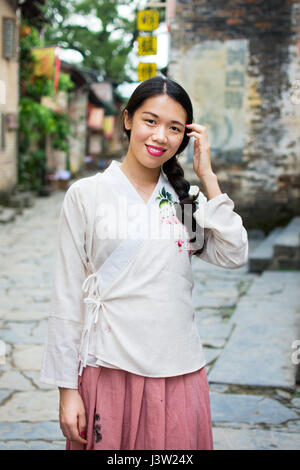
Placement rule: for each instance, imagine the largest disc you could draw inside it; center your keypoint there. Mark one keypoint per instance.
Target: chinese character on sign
(147, 20)
(235, 55)
(145, 71)
(234, 78)
(147, 45)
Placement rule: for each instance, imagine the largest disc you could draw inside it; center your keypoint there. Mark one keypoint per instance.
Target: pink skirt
(125, 411)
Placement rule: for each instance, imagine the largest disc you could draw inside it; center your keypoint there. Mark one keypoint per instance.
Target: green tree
(36, 120)
(106, 49)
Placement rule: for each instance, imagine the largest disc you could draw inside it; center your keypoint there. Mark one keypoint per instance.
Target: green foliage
(65, 83)
(105, 49)
(61, 132)
(31, 167)
(36, 120)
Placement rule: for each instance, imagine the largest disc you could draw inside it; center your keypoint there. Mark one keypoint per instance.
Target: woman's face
(157, 130)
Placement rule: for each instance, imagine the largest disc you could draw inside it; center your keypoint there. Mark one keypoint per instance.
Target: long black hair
(172, 168)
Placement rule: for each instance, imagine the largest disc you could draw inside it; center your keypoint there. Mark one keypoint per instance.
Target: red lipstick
(155, 151)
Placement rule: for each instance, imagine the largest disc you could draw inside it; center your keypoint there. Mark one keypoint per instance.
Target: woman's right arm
(60, 357)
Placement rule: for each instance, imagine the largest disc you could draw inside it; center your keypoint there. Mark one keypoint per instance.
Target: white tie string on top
(94, 304)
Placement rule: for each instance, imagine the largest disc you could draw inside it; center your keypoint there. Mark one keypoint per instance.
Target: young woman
(122, 344)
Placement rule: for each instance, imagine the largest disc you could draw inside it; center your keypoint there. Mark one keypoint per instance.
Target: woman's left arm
(225, 237)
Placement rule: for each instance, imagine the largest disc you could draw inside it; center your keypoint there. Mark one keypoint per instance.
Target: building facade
(240, 63)
(9, 97)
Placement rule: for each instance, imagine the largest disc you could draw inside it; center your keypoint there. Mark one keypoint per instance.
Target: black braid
(187, 205)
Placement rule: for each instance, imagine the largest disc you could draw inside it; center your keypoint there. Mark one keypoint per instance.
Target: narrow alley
(249, 410)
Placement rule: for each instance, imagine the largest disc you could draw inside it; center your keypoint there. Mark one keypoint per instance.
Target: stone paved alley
(246, 322)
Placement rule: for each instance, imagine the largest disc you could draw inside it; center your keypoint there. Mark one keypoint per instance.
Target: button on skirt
(125, 411)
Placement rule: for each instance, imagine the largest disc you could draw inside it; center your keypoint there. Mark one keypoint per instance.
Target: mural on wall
(216, 84)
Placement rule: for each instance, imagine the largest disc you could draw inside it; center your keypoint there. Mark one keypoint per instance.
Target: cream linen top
(123, 280)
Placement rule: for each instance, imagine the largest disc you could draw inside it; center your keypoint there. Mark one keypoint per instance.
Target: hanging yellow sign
(147, 45)
(147, 20)
(45, 60)
(145, 71)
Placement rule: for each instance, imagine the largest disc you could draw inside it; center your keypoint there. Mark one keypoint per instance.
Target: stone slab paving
(242, 418)
(32, 445)
(47, 430)
(28, 409)
(251, 409)
(247, 438)
(266, 323)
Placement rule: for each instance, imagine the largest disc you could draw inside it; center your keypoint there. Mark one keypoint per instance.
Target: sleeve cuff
(205, 204)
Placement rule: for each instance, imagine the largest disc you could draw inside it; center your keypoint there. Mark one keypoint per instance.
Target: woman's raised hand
(201, 161)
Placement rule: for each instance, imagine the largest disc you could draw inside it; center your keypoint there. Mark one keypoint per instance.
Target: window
(9, 38)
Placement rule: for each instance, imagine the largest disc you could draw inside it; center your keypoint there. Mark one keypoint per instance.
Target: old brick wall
(240, 63)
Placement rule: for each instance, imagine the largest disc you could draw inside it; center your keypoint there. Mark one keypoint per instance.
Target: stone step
(261, 257)
(290, 235)
(7, 215)
(287, 247)
(266, 324)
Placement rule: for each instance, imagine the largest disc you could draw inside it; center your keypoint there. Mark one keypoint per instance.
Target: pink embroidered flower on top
(180, 242)
(168, 216)
(184, 245)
